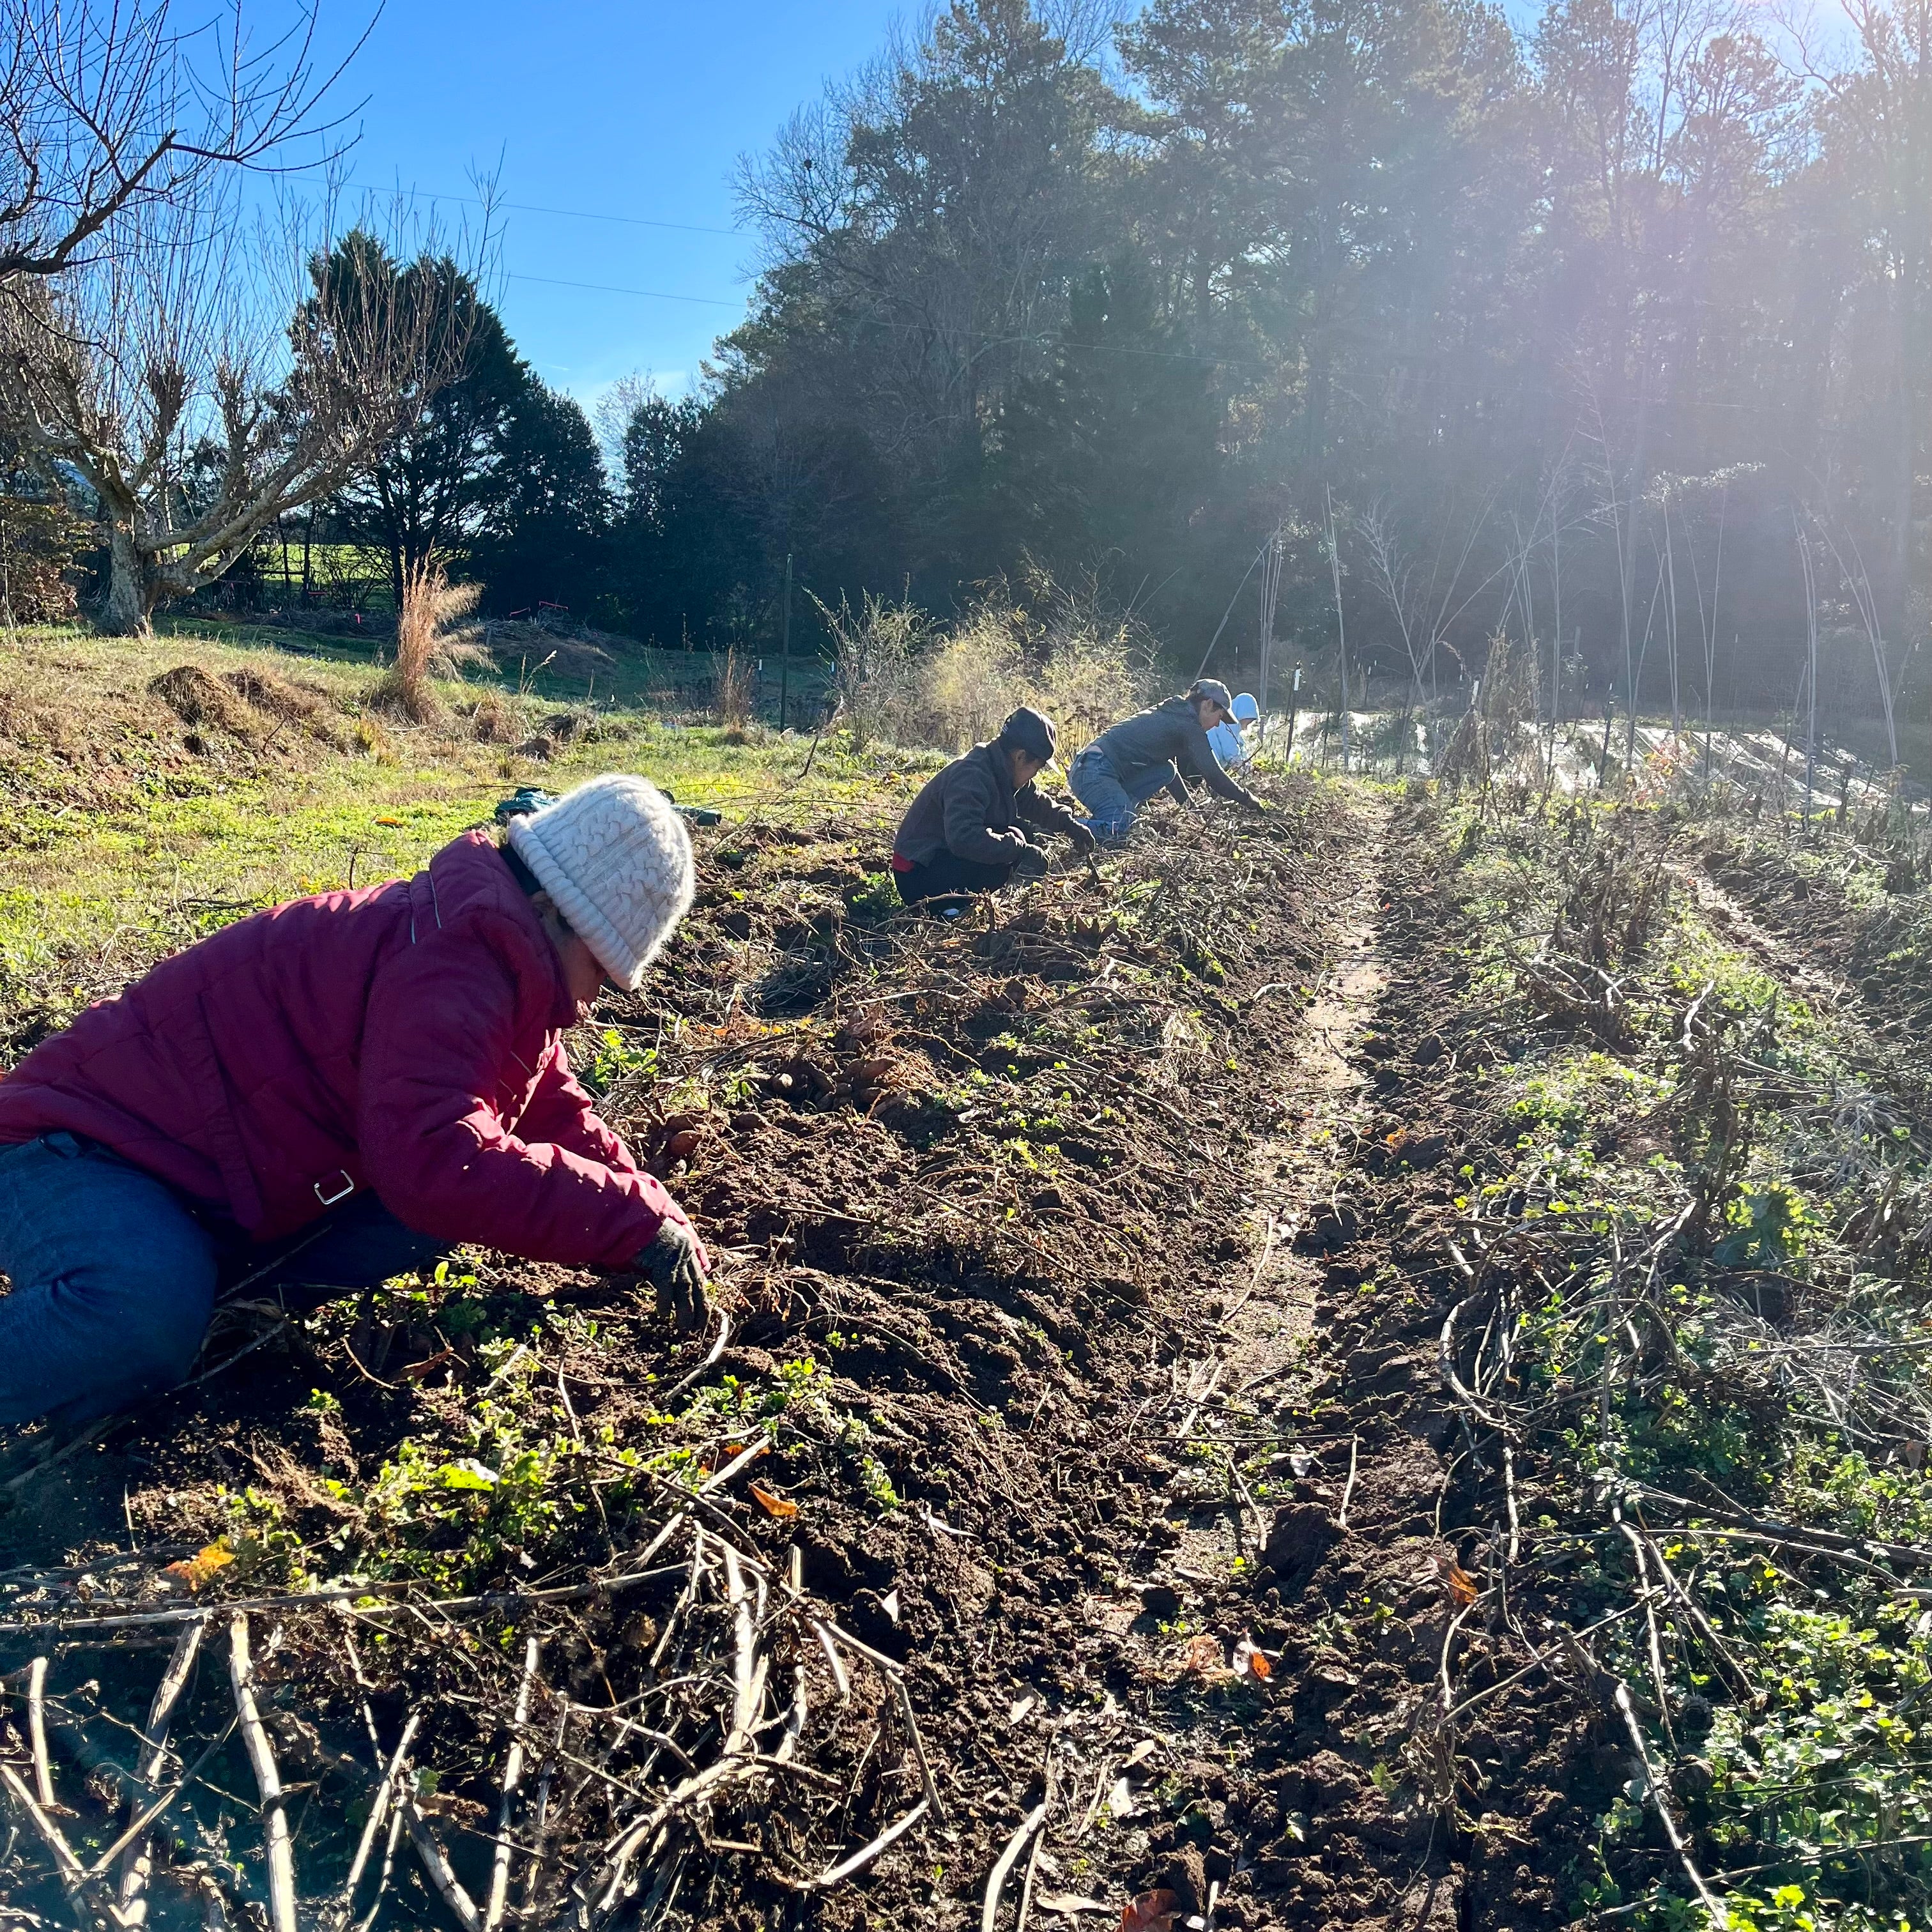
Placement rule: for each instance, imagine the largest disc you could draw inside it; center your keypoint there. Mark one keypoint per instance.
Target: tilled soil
(1112, 1215)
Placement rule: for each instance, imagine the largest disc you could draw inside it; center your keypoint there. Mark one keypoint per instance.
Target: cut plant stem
(36, 1731)
(379, 1810)
(513, 1772)
(275, 1822)
(135, 1866)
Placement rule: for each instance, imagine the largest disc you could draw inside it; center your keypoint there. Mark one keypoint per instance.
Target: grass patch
(132, 832)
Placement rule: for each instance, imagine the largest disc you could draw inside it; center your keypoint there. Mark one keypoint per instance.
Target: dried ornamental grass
(431, 641)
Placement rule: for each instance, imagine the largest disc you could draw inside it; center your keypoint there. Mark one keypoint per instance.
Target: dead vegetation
(899, 676)
(433, 640)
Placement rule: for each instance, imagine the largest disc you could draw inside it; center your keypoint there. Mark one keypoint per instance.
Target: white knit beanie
(616, 859)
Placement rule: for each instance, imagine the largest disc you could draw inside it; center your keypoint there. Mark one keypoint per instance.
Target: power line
(576, 214)
(629, 220)
(611, 289)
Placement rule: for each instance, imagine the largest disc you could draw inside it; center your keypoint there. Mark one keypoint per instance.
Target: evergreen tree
(442, 481)
(546, 532)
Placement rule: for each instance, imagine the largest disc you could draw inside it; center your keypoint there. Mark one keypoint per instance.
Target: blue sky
(638, 110)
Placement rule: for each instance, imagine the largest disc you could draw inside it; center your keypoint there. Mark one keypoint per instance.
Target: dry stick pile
(673, 1712)
(743, 1670)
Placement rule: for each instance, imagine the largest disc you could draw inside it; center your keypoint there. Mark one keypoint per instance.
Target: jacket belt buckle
(342, 1193)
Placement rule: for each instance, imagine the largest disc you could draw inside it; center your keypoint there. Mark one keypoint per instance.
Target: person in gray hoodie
(961, 832)
(1118, 772)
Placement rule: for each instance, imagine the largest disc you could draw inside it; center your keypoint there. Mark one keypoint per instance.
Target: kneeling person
(1118, 772)
(960, 834)
(335, 1091)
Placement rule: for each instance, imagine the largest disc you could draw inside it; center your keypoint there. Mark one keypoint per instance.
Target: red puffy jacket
(405, 1037)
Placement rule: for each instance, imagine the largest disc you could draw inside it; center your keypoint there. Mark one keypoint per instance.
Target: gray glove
(1083, 838)
(1031, 863)
(672, 1265)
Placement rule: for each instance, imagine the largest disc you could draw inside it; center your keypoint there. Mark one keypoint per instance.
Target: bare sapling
(1637, 673)
(1810, 664)
(1341, 627)
(1523, 592)
(1670, 621)
(1393, 576)
(1707, 613)
(874, 654)
(1270, 598)
(1858, 584)
(1448, 610)
(1623, 529)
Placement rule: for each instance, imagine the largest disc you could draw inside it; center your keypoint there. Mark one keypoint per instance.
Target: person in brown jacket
(960, 834)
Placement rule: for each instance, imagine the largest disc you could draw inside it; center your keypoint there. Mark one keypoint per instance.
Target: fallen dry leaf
(1144, 1749)
(416, 1371)
(1462, 1586)
(1070, 1905)
(1248, 1657)
(1120, 1799)
(772, 1505)
(1203, 1653)
(1152, 1912)
(203, 1567)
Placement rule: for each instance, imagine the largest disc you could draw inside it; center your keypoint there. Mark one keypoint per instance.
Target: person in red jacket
(335, 1091)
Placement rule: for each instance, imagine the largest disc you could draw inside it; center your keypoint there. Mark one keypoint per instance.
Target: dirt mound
(201, 700)
(304, 705)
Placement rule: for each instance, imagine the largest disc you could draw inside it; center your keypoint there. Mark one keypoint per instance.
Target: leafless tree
(1878, 104)
(107, 110)
(1393, 575)
(202, 394)
(1707, 610)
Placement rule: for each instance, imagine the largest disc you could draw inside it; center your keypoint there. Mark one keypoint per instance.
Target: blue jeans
(1111, 806)
(114, 1276)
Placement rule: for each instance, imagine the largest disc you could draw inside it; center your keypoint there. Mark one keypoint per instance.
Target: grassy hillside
(130, 828)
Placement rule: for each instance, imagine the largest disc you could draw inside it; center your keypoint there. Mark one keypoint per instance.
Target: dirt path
(1195, 1615)
(1261, 1366)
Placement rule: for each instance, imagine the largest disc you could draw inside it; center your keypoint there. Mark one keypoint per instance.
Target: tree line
(1610, 334)
(1379, 319)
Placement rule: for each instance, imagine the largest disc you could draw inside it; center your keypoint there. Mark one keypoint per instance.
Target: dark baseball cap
(1032, 732)
(1214, 688)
